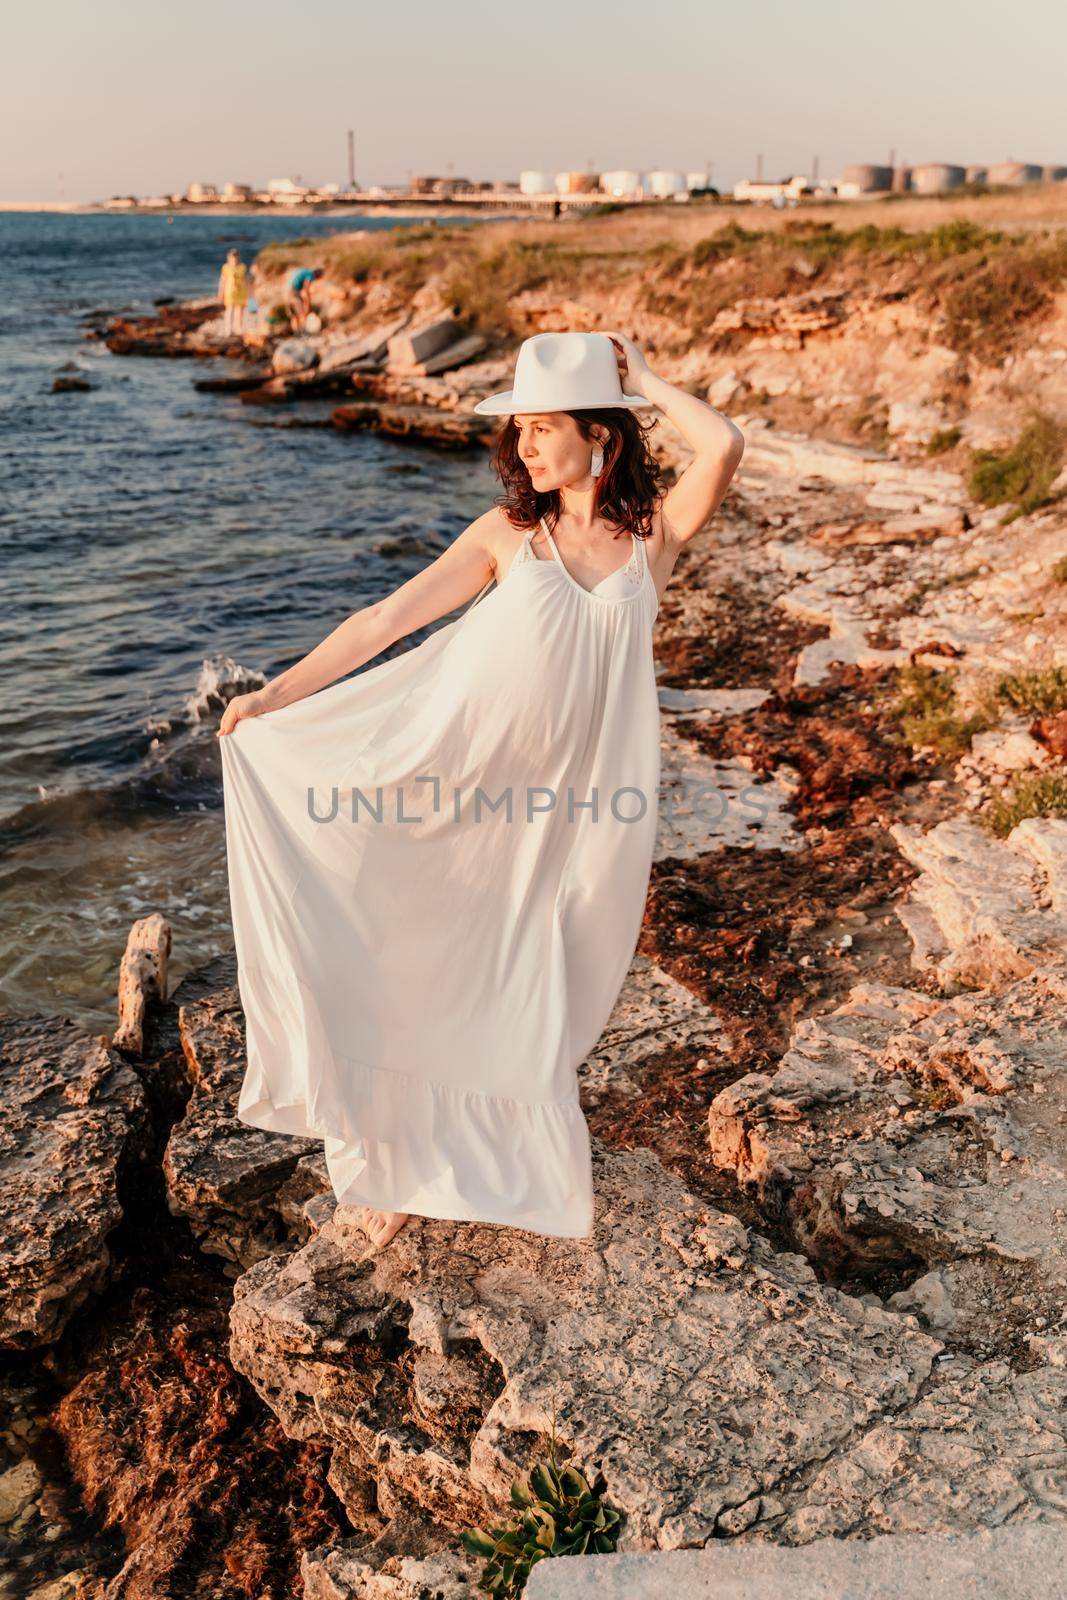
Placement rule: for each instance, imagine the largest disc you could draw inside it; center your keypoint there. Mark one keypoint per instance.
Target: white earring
(596, 461)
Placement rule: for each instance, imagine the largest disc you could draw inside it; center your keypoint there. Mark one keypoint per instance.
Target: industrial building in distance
(535, 189)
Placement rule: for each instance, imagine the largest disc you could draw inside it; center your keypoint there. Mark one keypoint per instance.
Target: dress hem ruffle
(292, 1119)
(400, 1142)
(272, 1119)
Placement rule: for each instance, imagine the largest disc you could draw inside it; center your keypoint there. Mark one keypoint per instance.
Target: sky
(116, 98)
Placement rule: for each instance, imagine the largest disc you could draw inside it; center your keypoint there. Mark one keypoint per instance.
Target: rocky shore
(827, 1292)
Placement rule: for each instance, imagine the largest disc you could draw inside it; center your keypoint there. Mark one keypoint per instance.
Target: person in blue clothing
(300, 295)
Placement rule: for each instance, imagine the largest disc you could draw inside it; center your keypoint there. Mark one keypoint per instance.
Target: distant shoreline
(71, 208)
(412, 205)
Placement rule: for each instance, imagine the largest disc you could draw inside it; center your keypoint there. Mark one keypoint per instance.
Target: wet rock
(68, 383)
(242, 1189)
(284, 388)
(75, 1123)
(173, 332)
(449, 430)
(233, 383)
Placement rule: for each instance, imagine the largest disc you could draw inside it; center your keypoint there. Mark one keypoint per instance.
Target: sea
(158, 544)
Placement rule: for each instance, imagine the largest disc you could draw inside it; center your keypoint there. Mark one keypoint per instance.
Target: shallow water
(145, 531)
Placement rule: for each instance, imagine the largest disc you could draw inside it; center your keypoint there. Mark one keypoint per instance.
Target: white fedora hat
(562, 372)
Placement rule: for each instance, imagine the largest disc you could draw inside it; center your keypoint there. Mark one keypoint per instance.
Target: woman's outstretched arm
(717, 444)
(454, 577)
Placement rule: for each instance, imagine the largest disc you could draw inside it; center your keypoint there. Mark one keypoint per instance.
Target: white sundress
(420, 984)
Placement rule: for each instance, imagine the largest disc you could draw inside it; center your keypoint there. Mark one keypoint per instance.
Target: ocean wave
(179, 768)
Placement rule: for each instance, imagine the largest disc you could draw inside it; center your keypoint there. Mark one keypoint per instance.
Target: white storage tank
(623, 182)
(1015, 172)
(663, 183)
(697, 180)
(865, 179)
(537, 182)
(937, 177)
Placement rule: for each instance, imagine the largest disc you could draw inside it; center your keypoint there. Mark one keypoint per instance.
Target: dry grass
(976, 264)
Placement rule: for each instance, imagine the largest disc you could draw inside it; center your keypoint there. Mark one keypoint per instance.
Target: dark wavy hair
(627, 488)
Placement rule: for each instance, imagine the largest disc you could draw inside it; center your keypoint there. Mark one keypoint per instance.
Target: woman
(233, 291)
(438, 868)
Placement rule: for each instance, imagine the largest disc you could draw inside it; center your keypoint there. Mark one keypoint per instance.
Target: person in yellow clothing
(233, 291)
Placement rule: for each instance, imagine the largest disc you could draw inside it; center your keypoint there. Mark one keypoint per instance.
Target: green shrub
(1059, 570)
(1041, 794)
(944, 439)
(930, 714)
(1041, 692)
(559, 1515)
(1021, 477)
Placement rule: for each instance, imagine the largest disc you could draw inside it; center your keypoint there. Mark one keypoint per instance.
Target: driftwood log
(142, 979)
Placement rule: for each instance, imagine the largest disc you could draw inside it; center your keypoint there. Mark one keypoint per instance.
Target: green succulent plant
(559, 1515)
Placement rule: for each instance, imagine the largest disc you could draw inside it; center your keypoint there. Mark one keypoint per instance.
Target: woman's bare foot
(380, 1226)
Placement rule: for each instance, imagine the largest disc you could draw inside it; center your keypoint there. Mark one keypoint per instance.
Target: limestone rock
(451, 357)
(342, 351)
(75, 1122)
(725, 390)
(688, 1365)
(407, 350)
(984, 1447)
(414, 1559)
(882, 1138)
(708, 805)
(793, 315)
(985, 911)
(653, 1013)
(914, 422)
(1009, 1562)
(293, 355)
